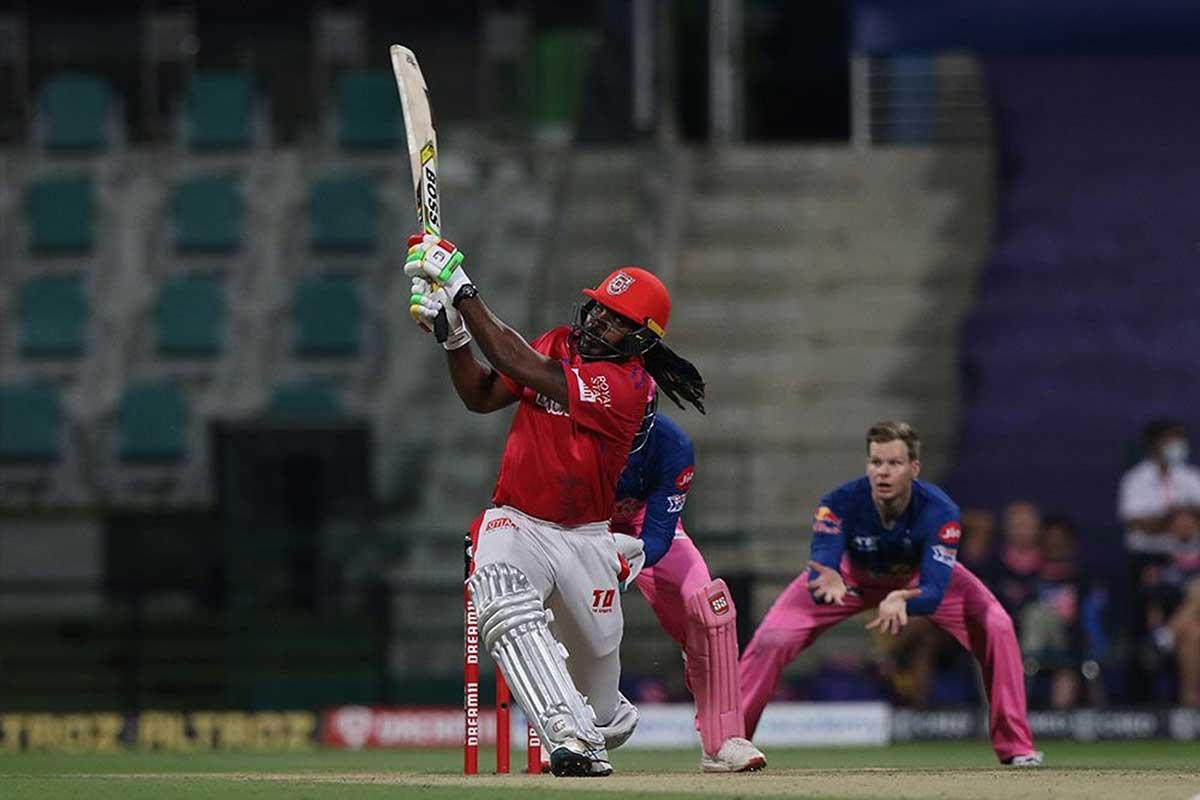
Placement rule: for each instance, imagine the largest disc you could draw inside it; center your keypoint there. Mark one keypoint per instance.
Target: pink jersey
(561, 464)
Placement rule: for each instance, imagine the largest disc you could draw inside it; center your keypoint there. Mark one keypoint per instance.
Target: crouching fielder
(889, 541)
(696, 611)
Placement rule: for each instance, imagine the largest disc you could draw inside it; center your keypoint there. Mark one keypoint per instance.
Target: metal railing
(920, 99)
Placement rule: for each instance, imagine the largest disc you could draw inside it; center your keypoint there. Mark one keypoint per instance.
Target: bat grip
(441, 326)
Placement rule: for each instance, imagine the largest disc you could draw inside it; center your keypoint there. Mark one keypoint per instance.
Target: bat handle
(441, 327)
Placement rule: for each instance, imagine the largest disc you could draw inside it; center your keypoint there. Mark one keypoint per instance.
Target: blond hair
(889, 430)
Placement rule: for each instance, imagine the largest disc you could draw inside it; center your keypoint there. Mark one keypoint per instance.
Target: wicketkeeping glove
(424, 304)
(631, 554)
(437, 260)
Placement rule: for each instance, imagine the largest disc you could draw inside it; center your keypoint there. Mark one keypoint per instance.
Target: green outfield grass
(1092, 771)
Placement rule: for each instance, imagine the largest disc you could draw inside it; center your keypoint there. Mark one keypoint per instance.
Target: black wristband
(465, 291)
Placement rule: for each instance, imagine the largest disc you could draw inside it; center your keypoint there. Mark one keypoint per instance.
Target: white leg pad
(515, 631)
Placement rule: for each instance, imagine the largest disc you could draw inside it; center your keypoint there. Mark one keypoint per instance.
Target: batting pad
(712, 665)
(517, 634)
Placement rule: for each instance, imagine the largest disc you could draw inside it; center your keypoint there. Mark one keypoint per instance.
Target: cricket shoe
(736, 755)
(1033, 759)
(576, 759)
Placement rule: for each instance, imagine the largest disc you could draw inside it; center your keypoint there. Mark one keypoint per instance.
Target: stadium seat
(328, 316)
(304, 398)
(30, 419)
(344, 214)
(368, 113)
(76, 113)
(189, 316)
(153, 419)
(61, 216)
(53, 316)
(207, 215)
(219, 111)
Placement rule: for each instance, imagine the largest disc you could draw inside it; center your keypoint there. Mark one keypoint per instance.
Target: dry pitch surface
(843, 783)
(954, 770)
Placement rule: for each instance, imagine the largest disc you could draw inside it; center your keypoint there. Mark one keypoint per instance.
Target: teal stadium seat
(344, 214)
(76, 113)
(30, 421)
(304, 398)
(152, 423)
(61, 216)
(207, 215)
(328, 316)
(219, 111)
(368, 110)
(190, 315)
(53, 316)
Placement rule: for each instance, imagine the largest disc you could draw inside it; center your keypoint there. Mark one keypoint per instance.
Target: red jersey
(562, 464)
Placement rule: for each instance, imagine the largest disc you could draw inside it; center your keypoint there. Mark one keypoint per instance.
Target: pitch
(945, 770)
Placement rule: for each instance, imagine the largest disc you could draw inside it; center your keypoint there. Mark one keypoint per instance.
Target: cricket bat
(422, 151)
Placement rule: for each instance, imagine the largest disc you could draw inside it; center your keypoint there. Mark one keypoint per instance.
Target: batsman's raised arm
(433, 259)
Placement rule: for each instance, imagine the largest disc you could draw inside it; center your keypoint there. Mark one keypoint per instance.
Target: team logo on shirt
(719, 603)
(949, 534)
(683, 480)
(675, 503)
(827, 522)
(620, 283)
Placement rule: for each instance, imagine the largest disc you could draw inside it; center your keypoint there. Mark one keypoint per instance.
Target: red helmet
(636, 295)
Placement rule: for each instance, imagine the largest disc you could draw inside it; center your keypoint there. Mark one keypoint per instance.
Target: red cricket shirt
(562, 464)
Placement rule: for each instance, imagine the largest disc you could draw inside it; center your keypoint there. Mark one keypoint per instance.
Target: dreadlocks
(675, 375)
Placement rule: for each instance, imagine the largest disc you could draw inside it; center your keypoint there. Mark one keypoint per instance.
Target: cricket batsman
(887, 541)
(545, 552)
(696, 611)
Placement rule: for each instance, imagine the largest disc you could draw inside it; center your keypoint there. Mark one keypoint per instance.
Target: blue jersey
(656, 478)
(924, 538)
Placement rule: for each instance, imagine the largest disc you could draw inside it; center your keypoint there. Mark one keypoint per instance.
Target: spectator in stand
(1019, 558)
(1051, 622)
(978, 549)
(1150, 492)
(1173, 604)
(1161, 483)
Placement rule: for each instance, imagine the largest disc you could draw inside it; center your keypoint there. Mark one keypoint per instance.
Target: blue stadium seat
(152, 423)
(61, 216)
(368, 110)
(190, 314)
(76, 113)
(53, 316)
(328, 316)
(304, 398)
(219, 111)
(207, 215)
(30, 422)
(344, 214)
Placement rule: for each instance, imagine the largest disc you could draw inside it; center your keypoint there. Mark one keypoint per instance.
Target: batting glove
(425, 302)
(631, 554)
(438, 261)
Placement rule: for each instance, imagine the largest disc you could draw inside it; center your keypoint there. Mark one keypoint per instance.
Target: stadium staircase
(818, 289)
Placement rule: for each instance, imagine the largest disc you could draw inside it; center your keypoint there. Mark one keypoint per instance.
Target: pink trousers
(678, 575)
(968, 612)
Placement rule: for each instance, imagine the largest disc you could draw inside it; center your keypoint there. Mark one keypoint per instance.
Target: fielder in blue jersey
(696, 611)
(889, 542)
